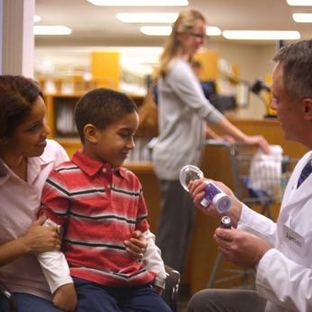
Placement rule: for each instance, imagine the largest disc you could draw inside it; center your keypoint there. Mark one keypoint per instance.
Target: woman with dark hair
(26, 159)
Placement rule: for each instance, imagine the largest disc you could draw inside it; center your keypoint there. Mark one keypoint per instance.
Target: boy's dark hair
(102, 107)
(17, 96)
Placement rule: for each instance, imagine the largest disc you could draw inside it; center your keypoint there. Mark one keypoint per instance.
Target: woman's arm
(225, 126)
(37, 239)
(184, 84)
(210, 134)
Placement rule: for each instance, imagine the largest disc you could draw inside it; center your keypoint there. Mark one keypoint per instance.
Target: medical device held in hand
(225, 222)
(213, 195)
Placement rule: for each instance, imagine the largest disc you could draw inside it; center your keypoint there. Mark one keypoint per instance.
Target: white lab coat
(284, 274)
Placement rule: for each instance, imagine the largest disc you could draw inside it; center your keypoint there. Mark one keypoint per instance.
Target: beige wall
(254, 61)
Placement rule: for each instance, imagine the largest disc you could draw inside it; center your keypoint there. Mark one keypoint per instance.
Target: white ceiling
(98, 26)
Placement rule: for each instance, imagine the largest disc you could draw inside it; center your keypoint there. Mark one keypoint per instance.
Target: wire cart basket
(259, 181)
(260, 189)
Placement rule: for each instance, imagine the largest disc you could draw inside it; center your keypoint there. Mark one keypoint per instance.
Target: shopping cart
(259, 182)
(268, 183)
(261, 191)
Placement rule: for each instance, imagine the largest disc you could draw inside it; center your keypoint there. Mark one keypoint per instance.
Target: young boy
(98, 205)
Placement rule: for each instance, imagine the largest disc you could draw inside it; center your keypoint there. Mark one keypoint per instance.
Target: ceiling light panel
(302, 17)
(166, 30)
(260, 35)
(52, 30)
(299, 2)
(147, 17)
(127, 3)
(156, 30)
(213, 31)
(37, 18)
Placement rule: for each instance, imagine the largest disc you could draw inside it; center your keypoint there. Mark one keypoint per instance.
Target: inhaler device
(213, 195)
(226, 222)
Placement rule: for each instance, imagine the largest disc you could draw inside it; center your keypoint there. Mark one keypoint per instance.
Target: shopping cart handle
(218, 142)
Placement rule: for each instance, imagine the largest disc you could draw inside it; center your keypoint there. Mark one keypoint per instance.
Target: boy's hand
(136, 245)
(65, 298)
(159, 290)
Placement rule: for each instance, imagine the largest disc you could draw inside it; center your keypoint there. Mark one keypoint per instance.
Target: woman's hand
(41, 238)
(226, 127)
(258, 140)
(136, 245)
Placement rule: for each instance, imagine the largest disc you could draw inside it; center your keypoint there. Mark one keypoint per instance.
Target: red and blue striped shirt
(98, 207)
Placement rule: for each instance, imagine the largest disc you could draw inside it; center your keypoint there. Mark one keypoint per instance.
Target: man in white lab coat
(280, 252)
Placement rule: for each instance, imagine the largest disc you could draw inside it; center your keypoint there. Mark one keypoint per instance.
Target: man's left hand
(240, 247)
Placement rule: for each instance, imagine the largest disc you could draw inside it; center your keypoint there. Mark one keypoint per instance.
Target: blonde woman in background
(183, 114)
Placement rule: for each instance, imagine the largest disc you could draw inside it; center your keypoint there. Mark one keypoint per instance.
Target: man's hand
(65, 298)
(197, 191)
(240, 247)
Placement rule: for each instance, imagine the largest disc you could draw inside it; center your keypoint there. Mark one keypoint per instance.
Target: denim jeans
(29, 303)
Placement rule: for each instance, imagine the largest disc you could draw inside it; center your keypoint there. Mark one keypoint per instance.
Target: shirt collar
(3, 168)
(92, 167)
(34, 165)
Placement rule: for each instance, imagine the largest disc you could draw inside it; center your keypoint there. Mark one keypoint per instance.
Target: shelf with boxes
(60, 108)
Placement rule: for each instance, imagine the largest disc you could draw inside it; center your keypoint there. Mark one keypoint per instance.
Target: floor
(182, 306)
(246, 280)
(184, 296)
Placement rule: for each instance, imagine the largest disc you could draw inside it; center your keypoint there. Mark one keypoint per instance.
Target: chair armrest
(6, 293)
(170, 293)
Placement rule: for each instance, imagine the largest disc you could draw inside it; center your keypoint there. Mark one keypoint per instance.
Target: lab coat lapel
(293, 195)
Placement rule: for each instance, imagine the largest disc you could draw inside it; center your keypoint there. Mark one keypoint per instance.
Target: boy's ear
(307, 102)
(90, 133)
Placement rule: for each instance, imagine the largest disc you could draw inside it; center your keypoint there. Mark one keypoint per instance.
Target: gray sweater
(183, 112)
